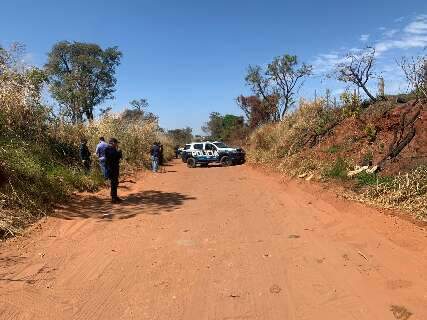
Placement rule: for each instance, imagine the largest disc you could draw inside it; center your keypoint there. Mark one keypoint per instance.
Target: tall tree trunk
(368, 93)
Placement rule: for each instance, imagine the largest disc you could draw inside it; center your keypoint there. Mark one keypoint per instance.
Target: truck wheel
(191, 162)
(225, 161)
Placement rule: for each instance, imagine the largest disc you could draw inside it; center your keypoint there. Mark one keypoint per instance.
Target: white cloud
(400, 19)
(406, 42)
(414, 35)
(364, 37)
(419, 26)
(324, 63)
(390, 33)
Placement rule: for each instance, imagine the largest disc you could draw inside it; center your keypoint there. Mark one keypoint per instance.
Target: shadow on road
(146, 202)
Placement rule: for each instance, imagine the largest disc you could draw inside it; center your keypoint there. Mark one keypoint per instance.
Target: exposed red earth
(216, 243)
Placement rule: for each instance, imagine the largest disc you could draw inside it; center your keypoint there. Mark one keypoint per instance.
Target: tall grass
(39, 158)
(279, 144)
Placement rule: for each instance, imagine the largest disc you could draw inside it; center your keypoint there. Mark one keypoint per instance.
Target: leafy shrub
(371, 132)
(364, 179)
(338, 169)
(351, 104)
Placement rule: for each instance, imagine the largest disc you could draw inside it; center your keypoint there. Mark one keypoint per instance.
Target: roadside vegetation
(374, 147)
(372, 143)
(39, 142)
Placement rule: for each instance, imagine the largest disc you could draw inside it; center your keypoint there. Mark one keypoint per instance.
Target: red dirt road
(216, 243)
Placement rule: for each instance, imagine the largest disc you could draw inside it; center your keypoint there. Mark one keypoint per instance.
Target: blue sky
(189, 58)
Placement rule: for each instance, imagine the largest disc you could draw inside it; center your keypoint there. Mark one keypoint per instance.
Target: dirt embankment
(216, 243)
(391, 136)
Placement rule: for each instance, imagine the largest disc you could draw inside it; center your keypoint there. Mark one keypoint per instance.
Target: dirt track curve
(216, 243)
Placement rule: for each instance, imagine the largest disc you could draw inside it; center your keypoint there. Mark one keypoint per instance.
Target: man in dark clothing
(176, 151)
(155, 153)
(160, 154)
(85, 155)
(112, 161)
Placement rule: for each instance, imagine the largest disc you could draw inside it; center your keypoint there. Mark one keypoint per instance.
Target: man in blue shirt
(100, 152)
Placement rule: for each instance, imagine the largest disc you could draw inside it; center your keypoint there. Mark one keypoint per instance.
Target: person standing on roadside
(155, 153)
(160, 154)
(112, 162)
(100, 153)
(84, 155)
(176, 151)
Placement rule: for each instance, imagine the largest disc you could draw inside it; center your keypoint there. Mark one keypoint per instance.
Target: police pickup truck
(203, 153)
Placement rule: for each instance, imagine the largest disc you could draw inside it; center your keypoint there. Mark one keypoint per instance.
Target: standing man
(155, 153)
(84, 155)
(160, 154)
(100, 153)
(112, 161)
(176, 151)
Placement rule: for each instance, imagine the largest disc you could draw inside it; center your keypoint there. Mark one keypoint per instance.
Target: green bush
(338, 169)
(334, 149)
(364, 179)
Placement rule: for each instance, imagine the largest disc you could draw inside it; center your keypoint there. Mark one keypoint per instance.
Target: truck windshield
(221, 145)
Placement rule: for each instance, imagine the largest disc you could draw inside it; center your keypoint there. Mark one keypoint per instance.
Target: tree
(136, 111)
(356, 68)
(225, 128)
(288, 78)
(81, 76)
(214, 126)
(140, 104)
(282, 80)
(181, 136)
(105, 112)
(415, 70)
(11, 58)
(22, 112)
(233, 128)
(258, 110)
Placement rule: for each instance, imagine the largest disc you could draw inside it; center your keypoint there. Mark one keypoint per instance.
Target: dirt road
(216, 243)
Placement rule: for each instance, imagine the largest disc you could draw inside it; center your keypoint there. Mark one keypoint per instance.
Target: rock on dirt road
(216, 243)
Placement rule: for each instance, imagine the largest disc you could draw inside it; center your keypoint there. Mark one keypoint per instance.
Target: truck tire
(225, 161)
(191, 162)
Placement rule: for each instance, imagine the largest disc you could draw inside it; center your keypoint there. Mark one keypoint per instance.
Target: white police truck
(204, 153)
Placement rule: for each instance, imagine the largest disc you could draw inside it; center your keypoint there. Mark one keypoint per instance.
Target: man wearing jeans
(100, 152)
(155, 153)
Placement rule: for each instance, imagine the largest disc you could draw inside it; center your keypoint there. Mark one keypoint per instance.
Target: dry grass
(295, 146)
(400, 312)
(404, 191)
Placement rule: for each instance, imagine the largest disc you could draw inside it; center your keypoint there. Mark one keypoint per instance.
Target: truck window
(198, 146)
(209, 146)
